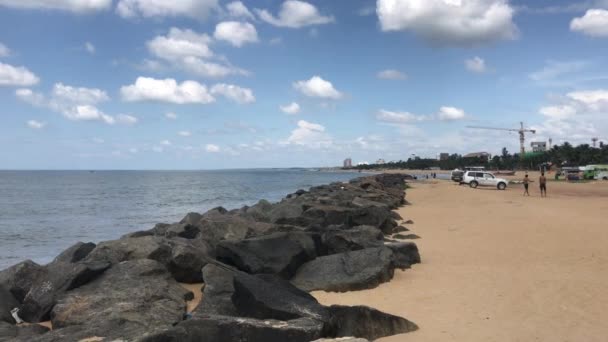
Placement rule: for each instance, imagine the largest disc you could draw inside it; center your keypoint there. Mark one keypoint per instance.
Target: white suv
(477, 178)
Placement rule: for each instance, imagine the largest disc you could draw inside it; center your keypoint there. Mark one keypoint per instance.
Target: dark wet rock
(326, 215)
(366, 322)
(350, 271)
(406, 236)
(400, 229)
(279, 253)
(20, 278)
(7, 303)
(10, 332)
(239, 329)
(217, 294)
(59, 278)
(133, 297)
(405, 254)
(344, 240)
(75, 253)
(395, 216)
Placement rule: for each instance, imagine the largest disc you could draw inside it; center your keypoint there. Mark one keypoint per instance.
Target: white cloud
(166, 90)
(292, 108)
(126, 119)
(16, 76)
(237, 9)
(189, 50)
(89, 47)
(87, 113)
(295, 14)
(391, 74)
(317, 87)
(554, 69)
(4, 50)
(179, 44)
(236, 33)
(67, 93)
(594, 100)
(197, 9)
(476, 64)
(35, 124)
(234, 93)
(451, 113)
(397, 117)
(171, 116)
(165, 143)
(184, 133)
(65, 5)
(449, 22)
(594, 23)
(310, 135)
(211, 148)
(558, 112)
(31, 97)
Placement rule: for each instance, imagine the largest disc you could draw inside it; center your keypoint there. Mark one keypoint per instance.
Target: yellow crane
(522, 134)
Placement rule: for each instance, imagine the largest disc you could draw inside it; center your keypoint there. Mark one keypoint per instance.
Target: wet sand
(497, 266)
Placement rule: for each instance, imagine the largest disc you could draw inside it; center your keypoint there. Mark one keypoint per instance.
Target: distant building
(484, 155)
(539, 146)
(362, 163)
(348, 163)
(380, 161)
(444, 156)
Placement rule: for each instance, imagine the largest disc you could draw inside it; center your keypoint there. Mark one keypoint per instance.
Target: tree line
(558, 155)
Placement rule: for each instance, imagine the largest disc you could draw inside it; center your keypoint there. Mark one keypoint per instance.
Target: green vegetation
(563, 155)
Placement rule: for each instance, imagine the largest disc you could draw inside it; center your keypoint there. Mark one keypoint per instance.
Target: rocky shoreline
(257, 264)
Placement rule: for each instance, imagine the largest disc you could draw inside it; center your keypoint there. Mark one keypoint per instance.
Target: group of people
(542, 181)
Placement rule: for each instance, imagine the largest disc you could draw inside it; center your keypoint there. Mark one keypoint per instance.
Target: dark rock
(131, 299)
(406, 236)
(365, 322)
(75, 253)
(405, 254)
(408, 222)
(326, 215)
(59, 278)
(395, 216)
(10, 332)
(340, 240)
(356, 270)
(7, 303)
(342, 339)
(279, 253)
(20, 278)
(400, 229)
(266, 297)
(218, 227)
(363, 202)
(191, 218)
(239, 329)
(260, 211)
(217, 295)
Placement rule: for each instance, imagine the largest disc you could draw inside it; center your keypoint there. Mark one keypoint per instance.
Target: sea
(44, 212)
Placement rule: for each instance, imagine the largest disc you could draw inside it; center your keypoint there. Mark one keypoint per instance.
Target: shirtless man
(526, 182)
(542, 180)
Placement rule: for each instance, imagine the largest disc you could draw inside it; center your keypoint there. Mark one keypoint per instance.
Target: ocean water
(44, 212)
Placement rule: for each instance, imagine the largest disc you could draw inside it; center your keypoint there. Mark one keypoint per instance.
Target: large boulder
(278, 253)
(217, 294)
(132, 299)
(20, 278)
(405, 254)
(7, 303)
(344, 240)
(239, 329)
(59, 278)
(75, 253)
(356, 270)
(327, 215)
(366, 322)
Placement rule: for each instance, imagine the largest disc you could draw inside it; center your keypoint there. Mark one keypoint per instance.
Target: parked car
(457, 175)
(476, 178)
(602, 175)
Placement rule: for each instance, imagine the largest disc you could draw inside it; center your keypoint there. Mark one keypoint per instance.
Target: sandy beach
(497, 266)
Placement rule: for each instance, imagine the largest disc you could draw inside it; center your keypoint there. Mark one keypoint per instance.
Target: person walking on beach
(543, 185)
(526, 182)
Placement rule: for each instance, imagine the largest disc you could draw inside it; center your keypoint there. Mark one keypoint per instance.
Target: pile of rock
(257, 263)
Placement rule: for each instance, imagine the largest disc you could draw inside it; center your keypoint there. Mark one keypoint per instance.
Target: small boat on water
(505, 173)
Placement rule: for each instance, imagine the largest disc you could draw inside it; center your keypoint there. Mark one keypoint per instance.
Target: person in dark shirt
(526, 182)
(543, 185)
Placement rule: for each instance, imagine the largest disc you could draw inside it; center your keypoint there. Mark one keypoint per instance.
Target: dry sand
(497, 266)
(197, 289)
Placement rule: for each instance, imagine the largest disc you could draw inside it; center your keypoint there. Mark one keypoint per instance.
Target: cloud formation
(16, 76)
(391, 74)
(449, 22)
(236, 33)
(476, 64)
(83, 6)
(197, 9)
(309, 134)
(234, 93)
(166, 90)
(295, 14)
(292, 108)
(594, 23)
(237, 9)
(33, 124)
(318, 87)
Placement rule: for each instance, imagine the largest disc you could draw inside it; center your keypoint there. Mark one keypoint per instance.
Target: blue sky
(210, 84)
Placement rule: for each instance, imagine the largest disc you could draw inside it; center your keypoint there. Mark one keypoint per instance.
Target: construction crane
(522, 134)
